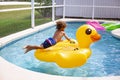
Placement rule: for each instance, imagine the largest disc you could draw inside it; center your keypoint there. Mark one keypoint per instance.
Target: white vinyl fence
(78, 8)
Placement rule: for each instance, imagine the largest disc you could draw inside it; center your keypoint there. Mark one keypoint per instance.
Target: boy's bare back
(58, 35)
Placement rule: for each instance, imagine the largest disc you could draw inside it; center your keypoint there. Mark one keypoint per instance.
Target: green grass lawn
(11, 22)
(13, 6)
(14, 21)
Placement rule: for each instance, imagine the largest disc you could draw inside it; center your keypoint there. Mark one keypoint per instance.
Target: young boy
(57, 37)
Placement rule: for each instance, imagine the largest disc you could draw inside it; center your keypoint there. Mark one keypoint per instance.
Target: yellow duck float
(70, 54)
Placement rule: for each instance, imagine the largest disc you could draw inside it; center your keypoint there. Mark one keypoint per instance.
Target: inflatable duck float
(70, 54)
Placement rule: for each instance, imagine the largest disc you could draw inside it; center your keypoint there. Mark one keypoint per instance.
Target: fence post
(53, 10)
(32, 14)
(93, 10)
(64, 9)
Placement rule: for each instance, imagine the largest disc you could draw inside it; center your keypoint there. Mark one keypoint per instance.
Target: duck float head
(86, 35)
(69, 54)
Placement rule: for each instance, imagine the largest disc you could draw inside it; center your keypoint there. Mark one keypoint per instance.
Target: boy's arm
(66, 37)
(71, 41)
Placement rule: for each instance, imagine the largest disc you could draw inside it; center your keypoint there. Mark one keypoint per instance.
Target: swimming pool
(104, 60)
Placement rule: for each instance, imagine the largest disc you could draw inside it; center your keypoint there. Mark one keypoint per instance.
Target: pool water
(104, 61)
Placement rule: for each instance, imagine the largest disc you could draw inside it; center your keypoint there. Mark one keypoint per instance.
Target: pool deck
(116, 33)
(9, 71)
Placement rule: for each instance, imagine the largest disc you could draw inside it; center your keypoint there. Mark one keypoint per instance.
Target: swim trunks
(48, 42)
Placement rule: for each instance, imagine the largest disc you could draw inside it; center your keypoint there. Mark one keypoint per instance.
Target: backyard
(92, 53)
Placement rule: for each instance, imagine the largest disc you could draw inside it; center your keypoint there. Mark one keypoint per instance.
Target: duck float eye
(88, 31)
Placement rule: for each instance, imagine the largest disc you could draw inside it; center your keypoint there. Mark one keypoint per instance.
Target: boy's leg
(31, 47)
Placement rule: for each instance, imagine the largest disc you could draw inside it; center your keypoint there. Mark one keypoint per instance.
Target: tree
(46, 12)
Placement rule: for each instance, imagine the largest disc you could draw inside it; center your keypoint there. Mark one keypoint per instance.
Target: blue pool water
(104, 61)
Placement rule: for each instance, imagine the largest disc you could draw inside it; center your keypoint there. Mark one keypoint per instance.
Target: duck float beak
(95, 37)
